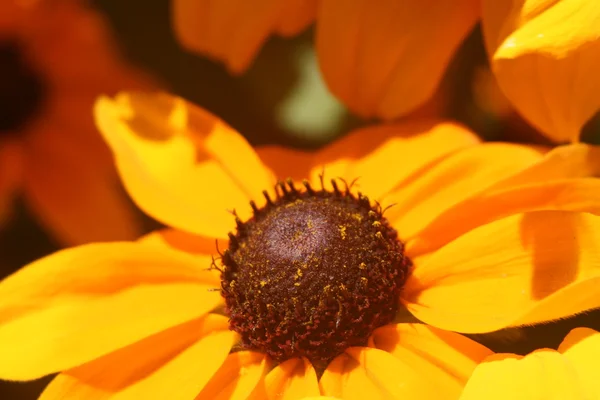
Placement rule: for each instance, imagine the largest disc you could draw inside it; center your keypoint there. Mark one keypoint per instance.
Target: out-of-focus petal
(180, 164)
(542, 375)
(446, 357)
(233, 31)
(293, 379)
(582, 348)
(523, 269)
(546, 56)
(559, 181)
(174, 364)
(454, 179)
(237, 377)
(91, 300)
(387, 57)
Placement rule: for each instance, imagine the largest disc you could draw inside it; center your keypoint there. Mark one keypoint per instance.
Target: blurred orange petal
(447, 358)
(366, 373)
(237, 377)
(293, 379)
(179, 162)
(546, 56)
(233, 31)
(149, 368)
(386, 58)
(382, 156)
(94, 299)
(459, 176)
(523, 269)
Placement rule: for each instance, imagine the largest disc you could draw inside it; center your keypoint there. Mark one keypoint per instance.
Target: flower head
(497, 235)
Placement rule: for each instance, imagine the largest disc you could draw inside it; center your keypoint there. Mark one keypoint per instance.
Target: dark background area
(248, 103)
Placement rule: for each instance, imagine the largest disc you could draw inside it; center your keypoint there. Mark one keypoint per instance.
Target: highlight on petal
(523, 269)
(237, 378)
(367, 373)
(233, 31)
(179, 163)
(459, 176)
(447, 358)
(385, 58)
(92, 300)
(175, 364)
(561, 180)
(293, 379)
(545, 55)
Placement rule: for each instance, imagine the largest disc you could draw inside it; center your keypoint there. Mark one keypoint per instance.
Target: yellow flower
(385, 58)
(492, 235)
(569, 373)
(56, 58)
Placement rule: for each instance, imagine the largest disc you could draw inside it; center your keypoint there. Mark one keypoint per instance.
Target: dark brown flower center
(312, 273)
(21, 89)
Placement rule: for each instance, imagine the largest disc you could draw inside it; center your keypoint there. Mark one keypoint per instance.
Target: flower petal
(545, 55)
(445, 357)
(550, 184)
(582, 348)
(237, 377)
(291, 380)
(452, 180)
(542, 375)
(92, 300)
(180, 164)
(523, 269)
(174, 364)
(385, 58)
(232, 31)
(382, 156)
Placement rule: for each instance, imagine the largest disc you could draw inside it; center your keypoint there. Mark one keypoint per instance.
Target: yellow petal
(174, 364)
(293, 379)
(582, 348)
(233, 31)
(523, 269)
(385, 58)
(180, 164)
(542, 375)
(550, 184)
(382, 156)
(445, 357)
(94, 299)
(366, 373)
(454, 179)
(237, 377)
(545, 55)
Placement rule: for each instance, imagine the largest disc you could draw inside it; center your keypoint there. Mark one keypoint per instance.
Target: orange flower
(57, 57)
(498, 235)
(385, 58)
(569, 373)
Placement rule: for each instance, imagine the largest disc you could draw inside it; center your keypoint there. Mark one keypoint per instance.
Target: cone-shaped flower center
(312, 273)
(21, 89)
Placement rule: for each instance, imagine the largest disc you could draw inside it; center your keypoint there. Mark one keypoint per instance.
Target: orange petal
(382, 156)
(582, 348)
(550, 184)
(291, 380)
(542, 375)
(180, 164)
(385, 58)
(287, 163)
(94, 299)
(545, 55)
(445, 357)
(452, 180)
(174, 364)
(523, 269)
(233, 31)
(237, 377)
(366, 373)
